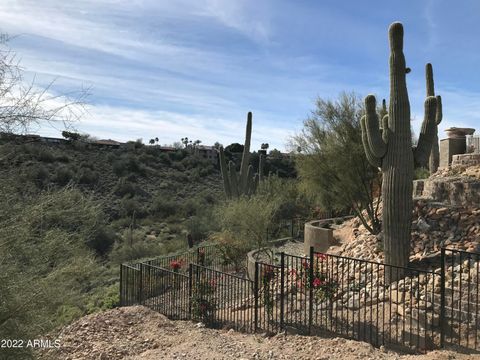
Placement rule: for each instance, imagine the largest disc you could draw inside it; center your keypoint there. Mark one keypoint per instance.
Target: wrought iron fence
(220, 299)
(460, 299)
(324, 294)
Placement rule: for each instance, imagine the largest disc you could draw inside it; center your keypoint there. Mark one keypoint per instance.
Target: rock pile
(434, 225)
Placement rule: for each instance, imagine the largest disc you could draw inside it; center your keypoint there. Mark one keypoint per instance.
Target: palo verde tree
(391, 151)
(331, 163)
(25, 105)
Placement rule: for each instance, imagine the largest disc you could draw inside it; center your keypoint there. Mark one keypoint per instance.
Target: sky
(194, 68)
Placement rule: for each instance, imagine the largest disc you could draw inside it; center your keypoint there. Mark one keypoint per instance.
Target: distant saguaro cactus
(246, 182)
(435, 153)
(391, 151)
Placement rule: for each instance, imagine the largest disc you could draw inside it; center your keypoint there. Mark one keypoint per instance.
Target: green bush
(421, 173)
(125, 187)
(138, 250)
(165, 159)
(132, 207)
(46, 268)
(244, 223)
(128, 164)
(38, 174)
(164, 207)
(102, 240)
(44, 155)
(105, 299)
(88, 176)
(63, 175)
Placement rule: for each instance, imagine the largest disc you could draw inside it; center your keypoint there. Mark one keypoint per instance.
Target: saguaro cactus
(435, 153)
(391, 151)
(246, 182)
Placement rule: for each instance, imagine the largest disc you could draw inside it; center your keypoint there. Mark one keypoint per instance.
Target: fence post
(190, 288)
(140, 286)
(310, 287)
(282, 290)
(121, 286)
(442, 298)
(255, 293)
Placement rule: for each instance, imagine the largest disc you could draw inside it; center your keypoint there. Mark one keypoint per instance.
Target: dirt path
(137, 333)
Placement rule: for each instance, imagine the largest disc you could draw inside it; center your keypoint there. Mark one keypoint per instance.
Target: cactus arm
(439, 114)
(429, 80)
(246, 155)
(375, 142)
(424, 147)
(374, 161)
(385, 130)
(224, 170)
(233, 179)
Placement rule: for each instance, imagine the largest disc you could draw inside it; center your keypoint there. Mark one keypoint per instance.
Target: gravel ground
(137, 333)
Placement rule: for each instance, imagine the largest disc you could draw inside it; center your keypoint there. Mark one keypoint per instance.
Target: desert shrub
(138, 250)
(244, 223)
(87, 165)
(63, 175)
(128, 164)
(44, 155)
(232, 249)
(102, 240)
(62, 158)
(46, 268)
(178, 166)
(132, 207)
(38, 174)
(147, 159)
(125, 187)
(421, 173)
(291, 201)
(178, 155)
(164, 207)
(88, 176)
(104, 299)
(165, 159)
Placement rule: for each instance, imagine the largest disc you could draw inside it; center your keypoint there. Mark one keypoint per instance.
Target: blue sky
(196, 67)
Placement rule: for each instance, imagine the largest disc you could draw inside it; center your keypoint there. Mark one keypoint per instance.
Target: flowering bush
(203, 303)
(176, 265)
(268, 276)
(324, 287)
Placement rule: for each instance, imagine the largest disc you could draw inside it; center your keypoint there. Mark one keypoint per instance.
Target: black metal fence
(323, 294)
(460, 299)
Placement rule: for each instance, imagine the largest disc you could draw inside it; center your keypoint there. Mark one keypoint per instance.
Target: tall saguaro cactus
(434, 160)
(246, 182)
(391, 150)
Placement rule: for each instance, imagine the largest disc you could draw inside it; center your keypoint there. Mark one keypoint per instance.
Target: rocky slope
(136, 333)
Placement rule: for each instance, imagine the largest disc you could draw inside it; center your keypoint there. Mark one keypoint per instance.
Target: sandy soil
(136, 333)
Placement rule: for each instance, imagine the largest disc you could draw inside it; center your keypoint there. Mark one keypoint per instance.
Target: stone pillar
(455, 143)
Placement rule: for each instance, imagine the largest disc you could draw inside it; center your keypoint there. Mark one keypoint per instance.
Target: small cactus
(246, 182)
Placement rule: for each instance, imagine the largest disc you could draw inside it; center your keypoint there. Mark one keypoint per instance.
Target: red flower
(317, 282)
(305, 264)
(293, 272)
(320, 256)
(213, 283)
(175, 265)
